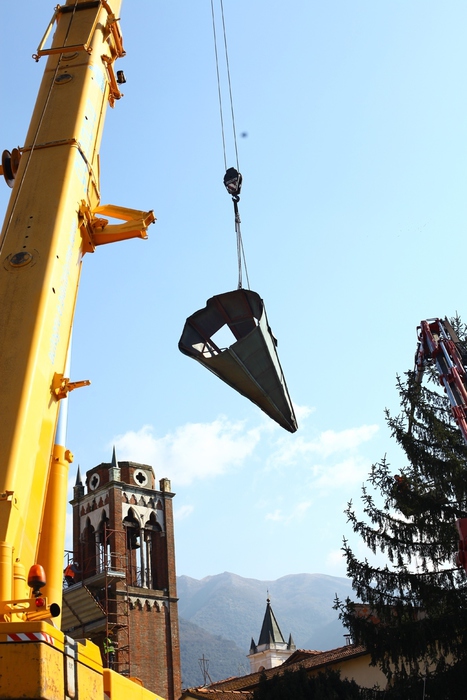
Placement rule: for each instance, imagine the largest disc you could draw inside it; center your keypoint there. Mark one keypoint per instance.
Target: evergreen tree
(413, 620)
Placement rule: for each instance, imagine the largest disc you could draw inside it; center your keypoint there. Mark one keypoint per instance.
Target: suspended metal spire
(251, 365)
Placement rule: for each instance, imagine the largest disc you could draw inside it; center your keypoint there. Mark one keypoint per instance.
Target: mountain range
(221, 614)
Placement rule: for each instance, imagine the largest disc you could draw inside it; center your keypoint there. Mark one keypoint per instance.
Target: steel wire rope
(240, 249)
(229, 84)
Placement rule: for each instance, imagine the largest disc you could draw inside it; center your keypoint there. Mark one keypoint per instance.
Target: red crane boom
(439, 344)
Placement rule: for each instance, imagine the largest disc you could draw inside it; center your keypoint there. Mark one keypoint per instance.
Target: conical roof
(270, 631)
(78, 481)
(78, 488)
(114, 459)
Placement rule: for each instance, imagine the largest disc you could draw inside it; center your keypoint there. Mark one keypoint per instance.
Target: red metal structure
(438, 343)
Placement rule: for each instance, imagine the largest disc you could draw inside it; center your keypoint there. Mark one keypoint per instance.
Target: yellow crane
(54, 217)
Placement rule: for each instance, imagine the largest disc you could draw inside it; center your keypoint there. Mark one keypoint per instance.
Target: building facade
(122, 594)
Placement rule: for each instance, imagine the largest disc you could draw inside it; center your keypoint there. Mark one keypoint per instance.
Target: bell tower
(272, 649)
(123, 593)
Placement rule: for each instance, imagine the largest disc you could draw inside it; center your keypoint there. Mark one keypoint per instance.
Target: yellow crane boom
(53, 218)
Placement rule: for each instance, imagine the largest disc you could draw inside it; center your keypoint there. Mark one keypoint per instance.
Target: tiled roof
(209, 694)
(299, 655)
(350, 651)
(304, 659)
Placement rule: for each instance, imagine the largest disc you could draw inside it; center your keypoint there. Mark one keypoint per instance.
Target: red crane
(439, 344)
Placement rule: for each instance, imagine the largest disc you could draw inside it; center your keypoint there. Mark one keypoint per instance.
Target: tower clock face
(140, 477)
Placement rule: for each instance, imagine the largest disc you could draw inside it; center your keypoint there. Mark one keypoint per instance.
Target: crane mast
(54, 217)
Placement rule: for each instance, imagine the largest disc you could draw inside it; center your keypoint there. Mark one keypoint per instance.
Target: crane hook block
(250, 365)
(233, 182)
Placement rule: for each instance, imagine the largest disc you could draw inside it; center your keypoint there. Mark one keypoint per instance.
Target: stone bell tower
(123, 596)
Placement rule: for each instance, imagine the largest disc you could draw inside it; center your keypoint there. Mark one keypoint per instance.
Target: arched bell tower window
(102, 544)
(152, 535)
(88, 538)
(156, 554)
(134, 550)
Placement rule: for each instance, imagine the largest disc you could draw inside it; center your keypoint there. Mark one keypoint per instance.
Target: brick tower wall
(142, 614)
(155, 644)
(155, 647)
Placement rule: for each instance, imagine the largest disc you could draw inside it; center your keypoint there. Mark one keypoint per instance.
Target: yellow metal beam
(52, 219)
(40, 261)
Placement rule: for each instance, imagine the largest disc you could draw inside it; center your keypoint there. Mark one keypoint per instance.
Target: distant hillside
(223, 657)
(230, 607)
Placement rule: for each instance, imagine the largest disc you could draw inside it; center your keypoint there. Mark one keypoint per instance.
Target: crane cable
(232, 177)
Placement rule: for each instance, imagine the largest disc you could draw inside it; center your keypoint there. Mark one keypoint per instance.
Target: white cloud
(205, 450)
(328, 443)
(302, 412)
(183, 512)
(192, 451)
(331, 441)
(347, 472)
(336, 562)
(277, 516)
(297, 512)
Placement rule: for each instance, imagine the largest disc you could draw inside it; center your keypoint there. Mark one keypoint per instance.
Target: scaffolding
(96, 603)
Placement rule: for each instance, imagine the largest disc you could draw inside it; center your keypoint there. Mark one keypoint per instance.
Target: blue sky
(353, 219)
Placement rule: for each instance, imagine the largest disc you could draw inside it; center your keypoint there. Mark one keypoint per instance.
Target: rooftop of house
(301, 658)
(209, 694)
